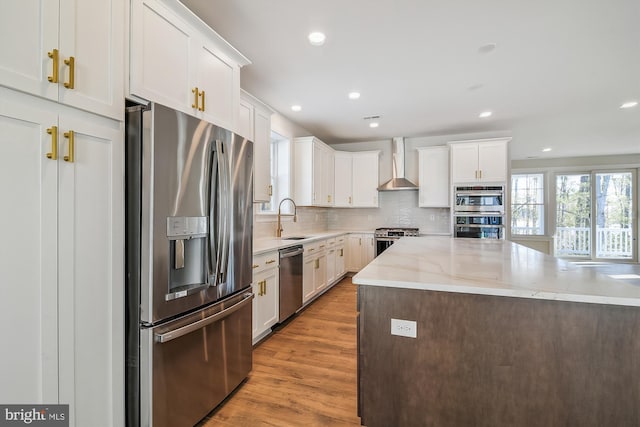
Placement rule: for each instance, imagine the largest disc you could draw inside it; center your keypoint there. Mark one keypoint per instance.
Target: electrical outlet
(404, 328)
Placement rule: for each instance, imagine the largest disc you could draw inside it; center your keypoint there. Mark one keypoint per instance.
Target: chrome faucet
(295, 215)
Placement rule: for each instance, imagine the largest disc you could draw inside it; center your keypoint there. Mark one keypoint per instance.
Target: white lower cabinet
(341, 265)
(314, 270)
(61, 263)
(360, 250)
(266, 290)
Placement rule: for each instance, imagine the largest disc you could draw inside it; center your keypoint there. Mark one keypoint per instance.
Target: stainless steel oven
(479, 199)
(385, 237)
(479, 226)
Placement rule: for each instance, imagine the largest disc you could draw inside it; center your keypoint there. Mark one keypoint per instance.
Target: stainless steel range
(385, 237)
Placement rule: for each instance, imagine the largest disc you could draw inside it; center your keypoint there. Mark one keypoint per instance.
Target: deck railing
(610, 242)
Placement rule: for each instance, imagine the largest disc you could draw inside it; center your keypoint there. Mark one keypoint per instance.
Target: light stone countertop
(264, 245)
(492, 267)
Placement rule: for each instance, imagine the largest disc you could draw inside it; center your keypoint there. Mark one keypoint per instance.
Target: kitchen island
(504, 336)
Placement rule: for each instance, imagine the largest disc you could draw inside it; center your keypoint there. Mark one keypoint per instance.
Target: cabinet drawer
(313, 248)
(265, 261)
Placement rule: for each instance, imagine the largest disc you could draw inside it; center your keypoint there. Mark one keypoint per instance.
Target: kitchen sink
(295, 238)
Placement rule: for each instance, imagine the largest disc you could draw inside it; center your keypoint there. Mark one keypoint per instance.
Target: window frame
(544, 204)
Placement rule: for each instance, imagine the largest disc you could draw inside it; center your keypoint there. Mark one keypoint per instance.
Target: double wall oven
(479, 212)
(385, 237)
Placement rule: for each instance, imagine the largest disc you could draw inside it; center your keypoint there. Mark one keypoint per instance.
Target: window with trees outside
(280, 158)
(527, 204)
(594, 215)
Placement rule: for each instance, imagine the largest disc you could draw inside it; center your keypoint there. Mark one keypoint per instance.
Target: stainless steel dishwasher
(290, 281)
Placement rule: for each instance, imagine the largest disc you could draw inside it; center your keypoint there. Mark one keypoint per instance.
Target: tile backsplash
(397, 209)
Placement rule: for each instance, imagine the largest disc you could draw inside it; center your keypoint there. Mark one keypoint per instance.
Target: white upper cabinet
(343, 179)
(433, 170)
(69, 51)
(314, 172)
(356, 179)
(176, 60)
(255, 124)
(479, 161)
(365, 179)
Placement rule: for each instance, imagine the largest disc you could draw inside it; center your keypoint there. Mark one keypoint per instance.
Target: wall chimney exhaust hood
(398, 181)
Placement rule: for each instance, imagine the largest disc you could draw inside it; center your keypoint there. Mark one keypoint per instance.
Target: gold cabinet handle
(270, 190)
(195, 98)
(317, 266)
(255, 266)
(202, 104)
(53, 78)
(480, 173)
(53, 131)
(312, 249)
(71, 137)
(71, 62)
(349, 199)
(271, 261)
(341, 252)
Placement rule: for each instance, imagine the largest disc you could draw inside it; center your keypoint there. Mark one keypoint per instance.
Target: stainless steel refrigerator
(189, 220)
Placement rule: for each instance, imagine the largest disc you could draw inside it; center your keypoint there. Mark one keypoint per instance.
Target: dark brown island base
(559, 346)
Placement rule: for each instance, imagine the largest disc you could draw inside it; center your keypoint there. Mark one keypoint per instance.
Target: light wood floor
(304, 374)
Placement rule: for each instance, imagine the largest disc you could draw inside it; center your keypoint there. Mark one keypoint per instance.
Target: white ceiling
(559, 73)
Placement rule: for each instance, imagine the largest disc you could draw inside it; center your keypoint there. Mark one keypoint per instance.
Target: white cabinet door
(464, 162)
(343, 179)
(69, 51)
(308, 269)
(354, 252)
(217, 80)
(368, 249)
(329, 175)
(318, 175)
(29, 30)
(91, 56)
(245, 120)
(433, 173)
(160, 56)
(90, 291)
(28, 254)
(492, 161)
(340, 260)
(320, 272)
(479, 161)
(265, 303)
(71, 226)
(331, 265)
(365, 179)
(261, 156)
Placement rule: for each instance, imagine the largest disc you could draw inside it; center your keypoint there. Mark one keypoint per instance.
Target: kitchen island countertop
(492, 267)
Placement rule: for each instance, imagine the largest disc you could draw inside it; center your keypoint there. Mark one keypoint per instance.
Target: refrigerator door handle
(213, 216)
(184, 330)
(223, 213)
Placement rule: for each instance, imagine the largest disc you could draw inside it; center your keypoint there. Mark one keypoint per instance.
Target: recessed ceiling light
(317, 38)
(546, 150)
(374, 124)
(354, 95)
(485, 114)
(296, 108)
(475, 86)
(487, 48)
(629, 104)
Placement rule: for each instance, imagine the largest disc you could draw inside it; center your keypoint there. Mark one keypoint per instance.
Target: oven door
(479, 231)
(470, 201)
(382, 243)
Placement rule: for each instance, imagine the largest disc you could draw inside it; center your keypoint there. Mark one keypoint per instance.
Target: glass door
(614, 228)
(594, 215)
(573, 215)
